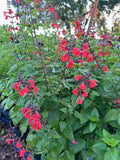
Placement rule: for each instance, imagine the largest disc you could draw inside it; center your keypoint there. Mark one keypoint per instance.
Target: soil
(7, 151)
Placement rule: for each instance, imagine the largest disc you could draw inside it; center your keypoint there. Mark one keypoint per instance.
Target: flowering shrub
(65, 90)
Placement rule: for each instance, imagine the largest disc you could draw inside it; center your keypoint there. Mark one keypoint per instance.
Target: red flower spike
(27, 115)
(71, 63)
(22, 152)
(80, 101)
(105, 68)
(82, 86)
(18, 144)
(75, 91)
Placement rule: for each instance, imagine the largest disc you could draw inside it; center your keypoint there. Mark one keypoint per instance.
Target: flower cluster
(33, 116)
(26, 89)
(81, 90)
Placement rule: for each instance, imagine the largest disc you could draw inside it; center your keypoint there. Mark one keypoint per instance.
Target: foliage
(39, 74)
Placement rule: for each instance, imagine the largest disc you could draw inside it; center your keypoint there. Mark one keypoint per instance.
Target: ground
(7, 151)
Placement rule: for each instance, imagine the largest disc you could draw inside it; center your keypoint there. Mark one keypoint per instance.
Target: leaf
(106, 134)
(111, 141)
(83, 118)
(119, 118)
(111, 115)
(75, 148)
(62, 125)
(92, 126)
(53, 118)
(68, 133)
(97, 147)
(66, 155)
(95, 112)
(32, 140)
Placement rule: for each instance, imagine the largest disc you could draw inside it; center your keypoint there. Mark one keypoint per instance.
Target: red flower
(56, 15)
(9, 28)
(37, 8)
(93, 83)
(63, 31)
(80, 101)
(90, 59)
(44, 8)
(18, 0)
(82, 86)
(81, 61)
(35, 2)
(16, 17)
(6, 17)
(11, 37)
(16, 84)
(100, 53)
(22, 152)
(18, 144)
(31, 83)
(39, 125)
(85, 94)
(29, 158)
(64, 42)
(35, 89)
(51, 8)
(10, 140)
(64, 57)
(96, 65)
(76, 50)
(61, 47)
(75, 91)
(16, 28)
(102, 36)
(105, 68)
(10, 11)
(77, 77)
(71, 63)
(85, 46)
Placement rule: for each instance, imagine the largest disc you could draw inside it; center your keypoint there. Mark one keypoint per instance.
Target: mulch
(7, 151)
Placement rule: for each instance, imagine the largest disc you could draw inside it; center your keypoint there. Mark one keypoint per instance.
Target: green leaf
(119, 118)
(111, 142)
(62, 125)
(97, 147)
(32, 140)
(75, 148)
(68, 133)
(66, 156)
(111, 115)
(92, 126)
(106, 134)
(83, 118)
(95, 112)
(53, 118)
